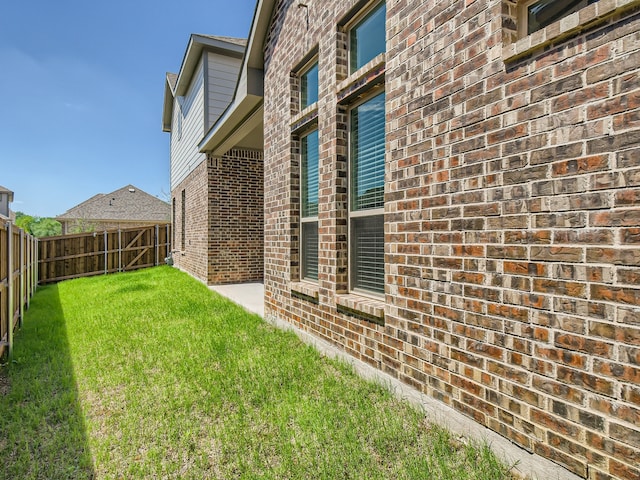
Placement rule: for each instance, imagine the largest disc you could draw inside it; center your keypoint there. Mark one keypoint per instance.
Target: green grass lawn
(150, 375)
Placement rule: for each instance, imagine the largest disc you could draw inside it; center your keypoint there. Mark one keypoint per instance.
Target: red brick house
(451, 195)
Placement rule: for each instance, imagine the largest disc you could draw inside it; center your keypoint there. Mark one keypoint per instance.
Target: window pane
(367, 154)
(309, 87)
(309, 180)
(368, 38)
(309, 249)
(368, 253)
(545, 12)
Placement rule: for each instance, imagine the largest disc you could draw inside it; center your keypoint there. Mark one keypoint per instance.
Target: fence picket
(26, 262)
(10, 309)
(16, 278)
(131, 249)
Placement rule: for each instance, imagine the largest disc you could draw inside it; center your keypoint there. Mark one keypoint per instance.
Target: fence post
(26, 266)
(156, 245)
(106, 252)
(36, 263)
(10, 287)
(22, 277)
(119, 250)
(27, 269)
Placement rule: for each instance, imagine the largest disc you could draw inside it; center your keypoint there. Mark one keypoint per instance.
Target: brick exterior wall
(512, 219)
(223, 219)
(236, 238)
(192, 257)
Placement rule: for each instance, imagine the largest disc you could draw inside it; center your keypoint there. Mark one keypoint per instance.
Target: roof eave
(234, 124)
(167, 106)
(245, 110)
(254, 56)
(193, 54)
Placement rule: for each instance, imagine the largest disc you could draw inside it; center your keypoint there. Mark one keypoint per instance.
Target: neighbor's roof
(178, 84)
(128, 203)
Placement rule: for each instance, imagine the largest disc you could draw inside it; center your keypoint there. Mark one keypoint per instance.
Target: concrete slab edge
(526, 465)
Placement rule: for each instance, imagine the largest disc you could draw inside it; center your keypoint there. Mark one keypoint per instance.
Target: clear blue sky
(82, 87)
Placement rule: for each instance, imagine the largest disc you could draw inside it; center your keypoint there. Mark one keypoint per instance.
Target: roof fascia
(249, 91)
(167, 106)
(197, 44)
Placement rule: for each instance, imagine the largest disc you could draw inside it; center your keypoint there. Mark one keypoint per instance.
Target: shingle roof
(237, 41)
(127, 203)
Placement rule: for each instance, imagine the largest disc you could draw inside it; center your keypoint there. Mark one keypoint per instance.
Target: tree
(46, 227)
(38, 226)
(24, 222)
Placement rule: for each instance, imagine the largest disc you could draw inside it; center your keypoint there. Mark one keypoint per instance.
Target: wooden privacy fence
(18, 279)
(87, 254)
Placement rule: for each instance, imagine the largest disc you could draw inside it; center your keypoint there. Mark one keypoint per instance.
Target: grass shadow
(42, 427)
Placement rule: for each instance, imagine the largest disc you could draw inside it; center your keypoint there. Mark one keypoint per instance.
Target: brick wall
(236, 239)
(192, 257)
(223, 221)
(511, 216)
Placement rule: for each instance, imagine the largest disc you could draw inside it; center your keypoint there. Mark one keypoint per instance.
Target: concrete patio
(248, 295)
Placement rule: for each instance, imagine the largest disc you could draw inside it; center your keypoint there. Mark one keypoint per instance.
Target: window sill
(305, 118)
(371, 309)
(571, 25)
(369, 75)
(305, 288)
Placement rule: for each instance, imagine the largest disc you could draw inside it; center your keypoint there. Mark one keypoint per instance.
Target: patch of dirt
(5, 383)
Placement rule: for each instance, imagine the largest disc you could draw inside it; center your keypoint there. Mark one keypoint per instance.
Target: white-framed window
(309, 85)
(309, 175)
(534, 15)
(367, 37)
(366, 195)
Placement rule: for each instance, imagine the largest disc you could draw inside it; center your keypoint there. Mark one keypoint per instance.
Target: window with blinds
(309, 157)
(309, 262)
(367, 147)
(367, 38)
(367, 246)
(367, 154)
(309, 87)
